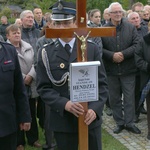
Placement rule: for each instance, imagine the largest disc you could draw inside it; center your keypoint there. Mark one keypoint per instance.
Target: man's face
(28, 20)
(106, 15)
(14, 36)
(139, 10)
(37, 14)
(116, 13)
(135, 20)
(65, 24)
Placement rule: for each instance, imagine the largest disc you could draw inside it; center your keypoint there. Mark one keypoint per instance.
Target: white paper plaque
(84, 81)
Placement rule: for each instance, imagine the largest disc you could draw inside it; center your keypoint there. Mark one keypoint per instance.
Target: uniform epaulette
(89, 40)
(45, 45)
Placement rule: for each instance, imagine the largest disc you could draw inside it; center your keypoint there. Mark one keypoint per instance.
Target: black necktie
(67, 48)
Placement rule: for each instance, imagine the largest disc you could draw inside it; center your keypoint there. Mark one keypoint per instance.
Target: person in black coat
(142, 30)
(142, 59)
(14, 106)
(64, 113)
(118, 57)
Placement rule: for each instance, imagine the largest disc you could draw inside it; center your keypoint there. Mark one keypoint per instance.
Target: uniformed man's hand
(90, 117)
(25, 126)
(28, 80)
(74, 108)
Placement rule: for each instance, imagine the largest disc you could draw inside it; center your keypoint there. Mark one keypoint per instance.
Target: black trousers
(69, 141)
(8, 142)
(137, 93)
(32, 134)
(48, 132)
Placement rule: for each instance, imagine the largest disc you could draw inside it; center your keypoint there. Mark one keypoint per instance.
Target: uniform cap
(63, 11)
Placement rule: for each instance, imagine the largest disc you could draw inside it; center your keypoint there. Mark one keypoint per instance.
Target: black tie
(67, 48)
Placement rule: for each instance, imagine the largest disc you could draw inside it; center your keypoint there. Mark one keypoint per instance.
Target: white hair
(112, 4)
(132, 13)
(23, 14)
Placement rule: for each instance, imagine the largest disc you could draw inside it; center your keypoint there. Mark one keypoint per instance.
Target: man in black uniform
(52, 84)
(14, 105)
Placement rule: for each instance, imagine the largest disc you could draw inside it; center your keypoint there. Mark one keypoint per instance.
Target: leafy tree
(45, 4)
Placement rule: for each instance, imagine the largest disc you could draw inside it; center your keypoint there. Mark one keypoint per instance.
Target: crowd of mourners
(126, 58)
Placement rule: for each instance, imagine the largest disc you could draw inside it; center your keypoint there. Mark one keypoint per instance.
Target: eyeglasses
(63, 23)
(145, 14)
(116, 12)
(139, 11)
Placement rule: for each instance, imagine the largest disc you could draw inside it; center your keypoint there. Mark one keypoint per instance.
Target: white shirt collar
(71, 43)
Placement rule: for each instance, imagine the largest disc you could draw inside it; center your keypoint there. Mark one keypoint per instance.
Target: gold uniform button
(62, 65)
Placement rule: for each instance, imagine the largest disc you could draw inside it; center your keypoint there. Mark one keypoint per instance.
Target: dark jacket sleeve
(47, 90)
(141, 63)
(20, 94)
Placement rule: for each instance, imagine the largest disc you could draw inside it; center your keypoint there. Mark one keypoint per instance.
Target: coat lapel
(73, 55)
(61, 52)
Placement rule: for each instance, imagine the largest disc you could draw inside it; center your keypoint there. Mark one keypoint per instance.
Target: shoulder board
(57, 43)
(45, 45)
(90, 41)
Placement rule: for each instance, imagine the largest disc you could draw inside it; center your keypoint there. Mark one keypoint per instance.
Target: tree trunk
(131, 2)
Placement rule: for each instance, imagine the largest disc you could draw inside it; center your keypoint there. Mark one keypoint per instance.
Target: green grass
(109, 142)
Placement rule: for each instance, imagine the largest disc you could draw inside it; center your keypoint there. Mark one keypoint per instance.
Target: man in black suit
(53, 88)
(14, 106)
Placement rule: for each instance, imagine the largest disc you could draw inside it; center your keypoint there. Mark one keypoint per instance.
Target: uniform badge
(62, 65)
(60, 6)
(8, 62)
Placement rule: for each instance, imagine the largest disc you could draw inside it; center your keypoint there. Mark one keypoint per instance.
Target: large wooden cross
(81, 30)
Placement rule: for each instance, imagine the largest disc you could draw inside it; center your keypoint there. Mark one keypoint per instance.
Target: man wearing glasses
(118, 56)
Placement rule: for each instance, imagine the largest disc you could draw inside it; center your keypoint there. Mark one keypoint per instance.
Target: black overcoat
(14, 107)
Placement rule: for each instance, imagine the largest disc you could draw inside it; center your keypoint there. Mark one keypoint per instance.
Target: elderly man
(142, 30)
(65, 113)
(30, 35)
(118, 56)
(135, 19)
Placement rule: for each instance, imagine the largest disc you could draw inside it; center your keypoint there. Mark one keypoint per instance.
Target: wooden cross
(81, 30)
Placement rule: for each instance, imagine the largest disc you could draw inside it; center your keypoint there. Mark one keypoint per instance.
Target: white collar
(71, 43)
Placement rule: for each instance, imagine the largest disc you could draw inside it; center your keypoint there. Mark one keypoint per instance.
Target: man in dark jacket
(41, 42)
(30, 34)
(142, 30)
(118, 56)
(14, 106)
(64, 112)
(39, 21)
